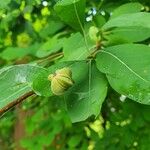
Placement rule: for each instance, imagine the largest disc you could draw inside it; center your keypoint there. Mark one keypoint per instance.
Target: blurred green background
(30, 30)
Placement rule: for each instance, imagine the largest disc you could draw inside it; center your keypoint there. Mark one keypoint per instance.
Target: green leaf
(51, 28)
(127, 8)
(52, 45)
(41, 84)
(136, 19)
(127, 69)
(74, 141)
(88, 92)
(74, 48)
(71, 12)
(99, 20)
(16, 81)
(12, 53)
(121, 35)
(4, 4)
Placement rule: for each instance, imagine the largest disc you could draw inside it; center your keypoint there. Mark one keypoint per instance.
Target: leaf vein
(130, 69)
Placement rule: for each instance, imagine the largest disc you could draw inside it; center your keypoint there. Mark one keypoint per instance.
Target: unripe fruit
(61, 81)
(93, 34)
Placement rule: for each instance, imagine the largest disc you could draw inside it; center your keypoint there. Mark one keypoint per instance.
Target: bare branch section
(15, 102)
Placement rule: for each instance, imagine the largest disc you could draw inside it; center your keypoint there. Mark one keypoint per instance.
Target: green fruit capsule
(61, 81)
(93, 34)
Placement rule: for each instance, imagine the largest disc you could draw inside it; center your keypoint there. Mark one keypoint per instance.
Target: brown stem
(15, 102)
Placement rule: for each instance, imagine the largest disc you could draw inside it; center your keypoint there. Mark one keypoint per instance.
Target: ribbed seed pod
(61, 80)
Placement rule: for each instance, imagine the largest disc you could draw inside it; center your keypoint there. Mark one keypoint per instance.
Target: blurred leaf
(141, 19)
(51, 28)
(50, 46)
(127, 8)
(4, 4)
(74, 141)
(12, 53)
(99, 20)
(121, 35)
(74, 48)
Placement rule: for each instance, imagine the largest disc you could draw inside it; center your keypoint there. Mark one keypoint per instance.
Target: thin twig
(15, 102)
(51, 57)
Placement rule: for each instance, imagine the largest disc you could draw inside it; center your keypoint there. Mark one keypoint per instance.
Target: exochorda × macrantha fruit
(61, 81)
(94, 34)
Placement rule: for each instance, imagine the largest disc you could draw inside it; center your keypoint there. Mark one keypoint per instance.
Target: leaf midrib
(124, 64)
(18, 91)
